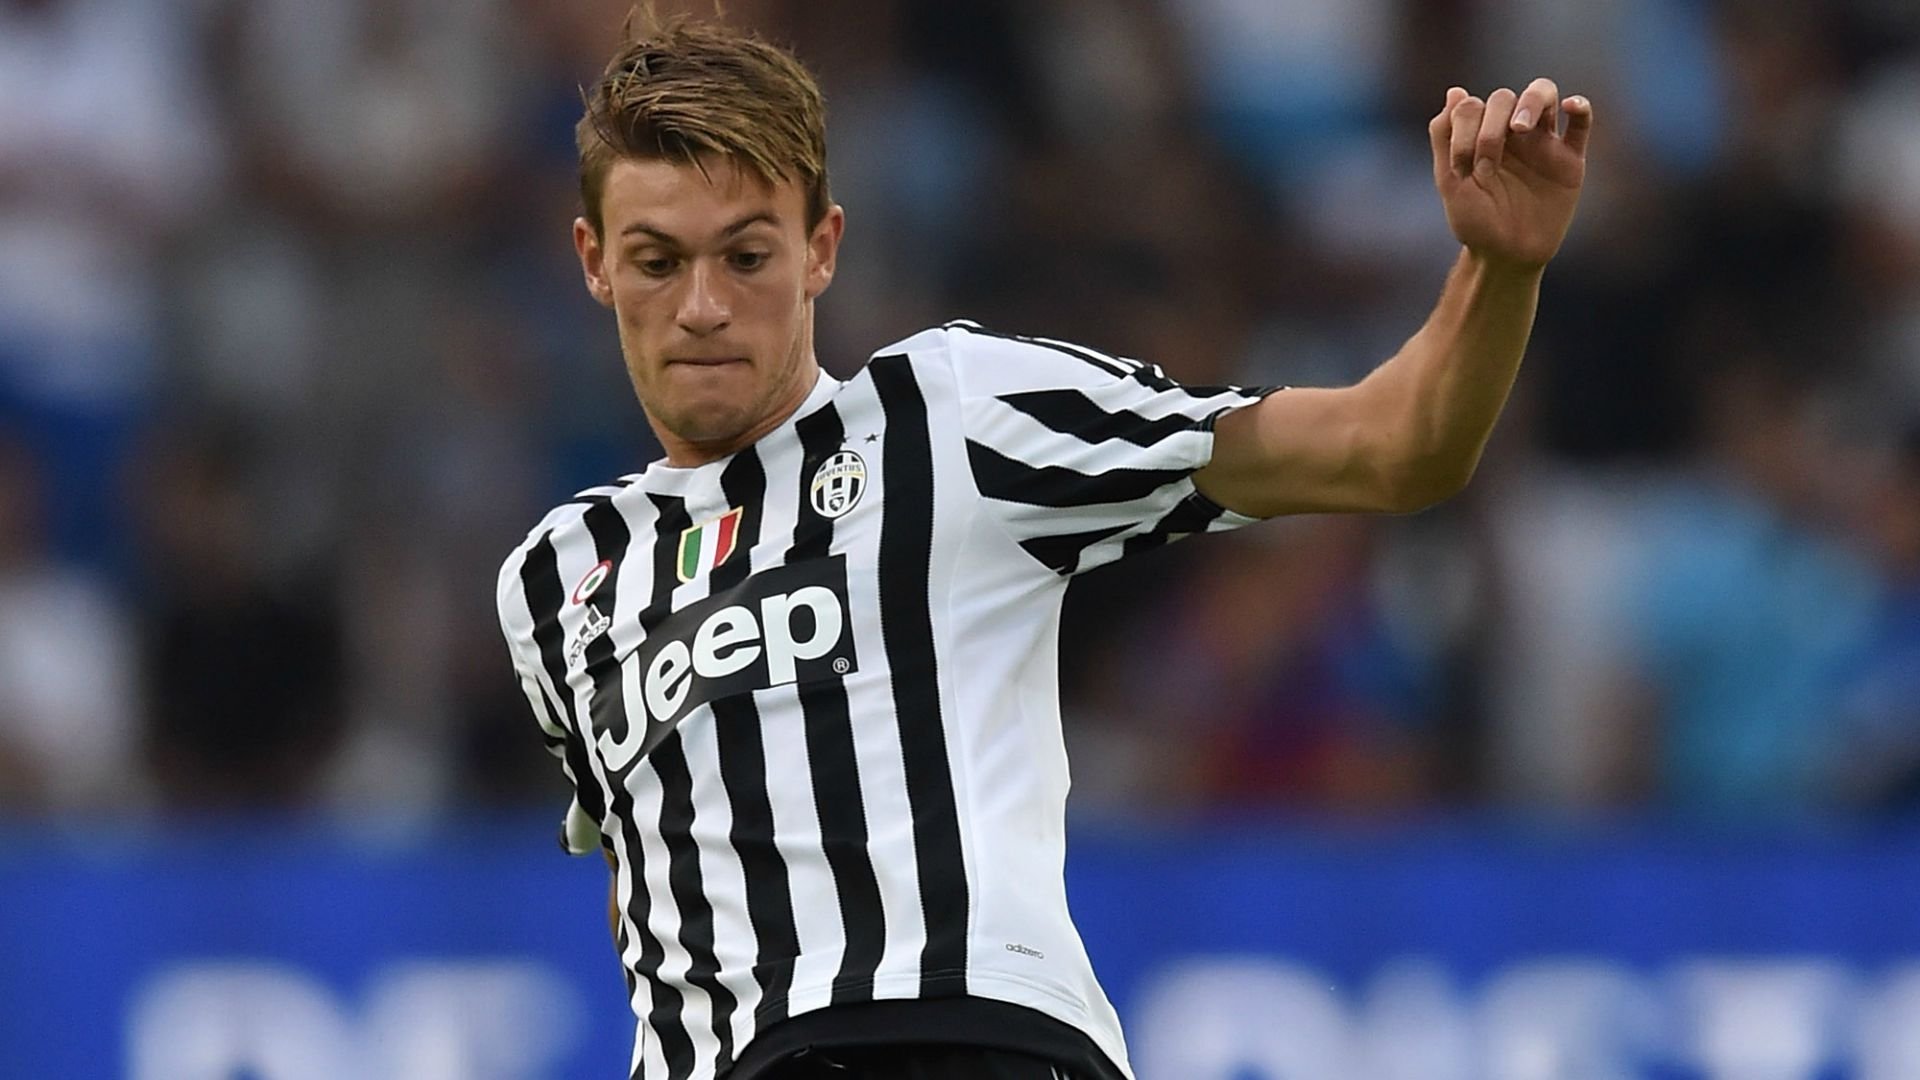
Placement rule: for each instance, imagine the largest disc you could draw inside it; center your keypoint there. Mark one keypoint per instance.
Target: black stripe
(837, 797)
(685, 880)
(667, 1019)
(821, 436)
(1069, 412)
(540, 579)
(637, 910)
(743, 482)
(1001, 477)
(842, 810)
(906, 624)
(743, 771)
(633, 984)
(1061, 554)
(612, 542)
(1194, 514)
(671, 521)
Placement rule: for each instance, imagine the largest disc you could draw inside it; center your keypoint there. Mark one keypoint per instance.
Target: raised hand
(1509, 177)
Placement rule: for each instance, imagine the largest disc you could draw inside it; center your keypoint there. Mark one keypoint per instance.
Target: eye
(657, 266)
(749, 260)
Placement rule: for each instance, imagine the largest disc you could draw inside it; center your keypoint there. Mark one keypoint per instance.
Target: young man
(801, 672)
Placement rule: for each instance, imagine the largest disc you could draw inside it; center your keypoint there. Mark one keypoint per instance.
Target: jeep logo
(784, 625)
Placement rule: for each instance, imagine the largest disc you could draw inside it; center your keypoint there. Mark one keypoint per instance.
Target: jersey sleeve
(579, 831)
(1086, 458)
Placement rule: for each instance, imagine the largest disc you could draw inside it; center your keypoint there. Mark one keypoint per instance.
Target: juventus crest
(838, 484)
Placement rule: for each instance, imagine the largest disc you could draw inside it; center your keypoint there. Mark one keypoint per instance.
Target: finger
(1440, 129)
(1579, 123)
(1490, 143)
(1538, 107)
(1465, 132)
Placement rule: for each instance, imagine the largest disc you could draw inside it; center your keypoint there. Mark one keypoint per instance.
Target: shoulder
(985, 362)
(559, 523)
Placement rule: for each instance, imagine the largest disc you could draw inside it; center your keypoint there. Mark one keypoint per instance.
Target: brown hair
(679, 89)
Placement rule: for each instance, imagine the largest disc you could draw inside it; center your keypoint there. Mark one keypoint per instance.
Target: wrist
(1498, 269)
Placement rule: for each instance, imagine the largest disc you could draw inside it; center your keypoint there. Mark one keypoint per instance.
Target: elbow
(1427, 481)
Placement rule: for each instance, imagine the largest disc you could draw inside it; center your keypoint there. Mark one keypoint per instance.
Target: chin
(704, 427)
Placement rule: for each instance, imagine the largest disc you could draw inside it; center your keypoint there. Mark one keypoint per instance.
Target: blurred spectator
(1562, 540)
(1279, 675)
(68, 718)
(1286, 82)
(1656, 63)
(243, 657)
(1880, 175)
(1739, 608)
(428, 710)
(1877, 760)
(106, 153)
(344, 228)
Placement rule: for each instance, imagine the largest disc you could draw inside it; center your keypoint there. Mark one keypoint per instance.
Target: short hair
(680, 89)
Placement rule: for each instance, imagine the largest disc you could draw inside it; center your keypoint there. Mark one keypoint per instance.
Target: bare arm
(1411, 433)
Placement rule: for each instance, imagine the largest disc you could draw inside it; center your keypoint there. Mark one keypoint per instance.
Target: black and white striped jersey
(807, 694)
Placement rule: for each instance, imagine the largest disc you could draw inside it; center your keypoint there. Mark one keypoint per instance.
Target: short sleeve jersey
(807, 694)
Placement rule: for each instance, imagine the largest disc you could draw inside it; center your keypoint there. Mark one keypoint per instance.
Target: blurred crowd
(294, 348)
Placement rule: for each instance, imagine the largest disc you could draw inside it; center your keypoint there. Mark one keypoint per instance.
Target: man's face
(711, 278)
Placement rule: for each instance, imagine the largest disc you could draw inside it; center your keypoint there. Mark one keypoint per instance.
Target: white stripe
(641, 1000)
(665, 920)
(796, 830)
(537, 701)
(876, 731)
(796, 823)
(722, 878)
(709, 546)
(1028, 441)
(572, 546)
(1139, 515)
(1118, 394)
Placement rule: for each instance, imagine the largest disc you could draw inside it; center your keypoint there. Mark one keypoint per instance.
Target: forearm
(1411, 433)
(1443, 391)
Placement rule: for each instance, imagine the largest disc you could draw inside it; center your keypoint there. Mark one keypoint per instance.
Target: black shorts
(954, 1038)
(916, 1063)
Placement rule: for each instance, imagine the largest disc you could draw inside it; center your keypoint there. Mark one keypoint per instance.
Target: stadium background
(1605, 769)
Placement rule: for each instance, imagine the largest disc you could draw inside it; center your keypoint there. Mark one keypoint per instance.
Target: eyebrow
(764, 217)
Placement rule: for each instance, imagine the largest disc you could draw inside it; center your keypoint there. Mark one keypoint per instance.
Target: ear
(823, 248)
(593, 261)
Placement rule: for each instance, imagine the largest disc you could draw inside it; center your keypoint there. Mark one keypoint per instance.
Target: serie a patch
(708, 544)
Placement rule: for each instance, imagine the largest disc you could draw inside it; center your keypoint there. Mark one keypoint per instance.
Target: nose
(703, 306)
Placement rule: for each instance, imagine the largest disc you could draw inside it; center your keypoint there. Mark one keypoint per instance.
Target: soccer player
(801, 672)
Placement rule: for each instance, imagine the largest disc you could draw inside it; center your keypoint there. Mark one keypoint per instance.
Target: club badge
(838, 484)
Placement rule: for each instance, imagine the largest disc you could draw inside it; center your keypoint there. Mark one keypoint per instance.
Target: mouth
(706, 361)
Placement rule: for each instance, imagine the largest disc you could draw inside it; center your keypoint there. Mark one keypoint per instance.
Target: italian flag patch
(708, 544)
